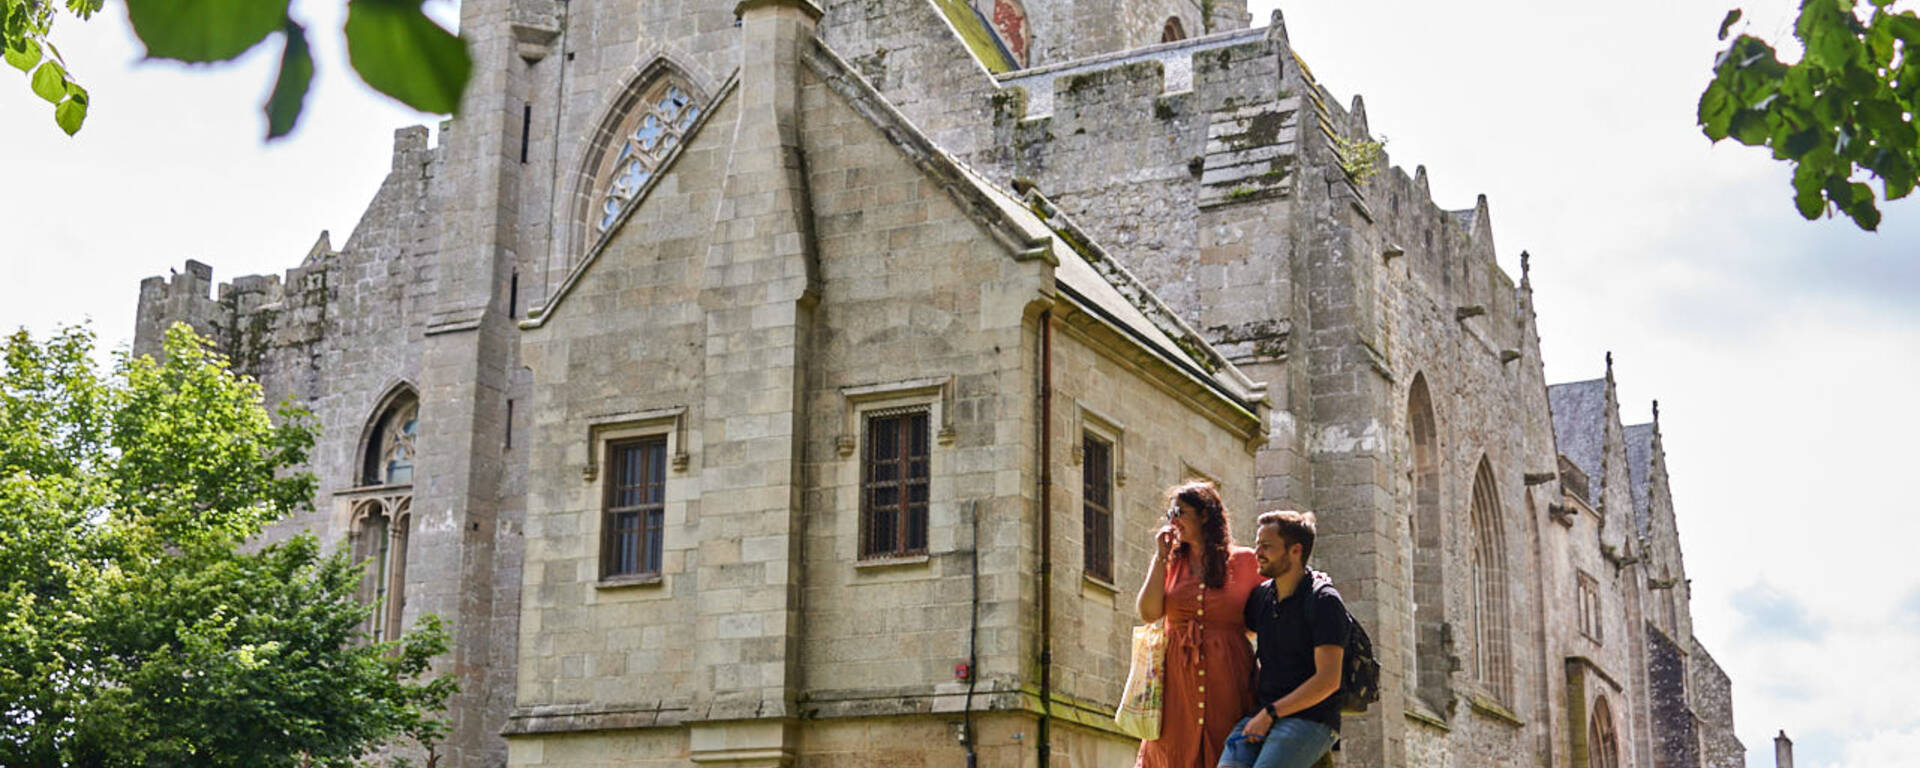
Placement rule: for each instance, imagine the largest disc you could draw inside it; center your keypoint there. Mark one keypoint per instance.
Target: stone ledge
(622, 582)
(1493, 710)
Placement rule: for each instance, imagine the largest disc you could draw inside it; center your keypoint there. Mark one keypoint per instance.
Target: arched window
(1492, 657)
(1173, 30)
(380, 545)
(382, 507)
(660, 118)
(1429, 552)
(1603, 745)
(387, 456)
(1008, 20)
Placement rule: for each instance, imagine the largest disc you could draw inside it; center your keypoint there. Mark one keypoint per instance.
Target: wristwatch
(1270, 713)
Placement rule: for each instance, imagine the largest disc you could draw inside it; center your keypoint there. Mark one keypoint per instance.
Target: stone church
(796, 382)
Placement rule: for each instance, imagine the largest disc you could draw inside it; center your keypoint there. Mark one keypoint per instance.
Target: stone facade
(743, 232)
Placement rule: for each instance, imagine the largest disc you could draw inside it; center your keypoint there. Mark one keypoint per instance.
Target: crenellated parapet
(245, 318)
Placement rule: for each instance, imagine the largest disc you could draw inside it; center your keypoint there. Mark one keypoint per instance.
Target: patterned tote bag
(1139, 711)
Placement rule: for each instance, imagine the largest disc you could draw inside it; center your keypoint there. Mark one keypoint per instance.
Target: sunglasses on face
(1173, 513)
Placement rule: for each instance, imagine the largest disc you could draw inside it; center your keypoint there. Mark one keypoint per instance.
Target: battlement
(246, 316)
(1174, 73)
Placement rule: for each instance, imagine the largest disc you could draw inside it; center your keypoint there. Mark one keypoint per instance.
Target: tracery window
(390, 446)
(381, 510)
(380, 544)
(665, 112)
(1492, 656)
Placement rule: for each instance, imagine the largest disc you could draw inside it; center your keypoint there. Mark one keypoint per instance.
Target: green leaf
(403, 54)
(25, 57)
(50, 82)
(1727, 23)
(70, 114)
(1807, 189)
(204, 30)
(1749, 127)
(290, 88)
(1716, 110)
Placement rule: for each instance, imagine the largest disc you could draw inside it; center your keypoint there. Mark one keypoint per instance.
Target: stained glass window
(666, 113)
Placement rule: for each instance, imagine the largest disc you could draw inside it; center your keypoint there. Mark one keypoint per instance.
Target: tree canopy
(1844, 110)
(392, 44)
(138, 630)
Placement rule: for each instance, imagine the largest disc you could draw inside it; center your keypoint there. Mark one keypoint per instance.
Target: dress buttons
(1201, 612)
(1203, 689)
(1203, 721)
(1203, 705)
(1203, 673)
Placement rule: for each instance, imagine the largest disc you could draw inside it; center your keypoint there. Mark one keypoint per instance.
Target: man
(1299, 654)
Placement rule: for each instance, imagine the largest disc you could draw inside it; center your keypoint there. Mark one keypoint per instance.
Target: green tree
(138, 630)
(1844, 110)
(391, 43)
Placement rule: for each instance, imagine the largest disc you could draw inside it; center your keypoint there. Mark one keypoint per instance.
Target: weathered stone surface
(1216, 288)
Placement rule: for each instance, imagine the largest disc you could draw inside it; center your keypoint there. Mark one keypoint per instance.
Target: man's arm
(1327, 661)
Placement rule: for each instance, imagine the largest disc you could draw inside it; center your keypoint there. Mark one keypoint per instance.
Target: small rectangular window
(1590, 607)
(1096, 466)
(636, 497)
(893, 498)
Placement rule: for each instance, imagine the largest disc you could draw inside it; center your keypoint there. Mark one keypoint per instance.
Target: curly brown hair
(1214, 532)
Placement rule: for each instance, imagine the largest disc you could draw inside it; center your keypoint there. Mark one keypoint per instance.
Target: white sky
(1782, 352)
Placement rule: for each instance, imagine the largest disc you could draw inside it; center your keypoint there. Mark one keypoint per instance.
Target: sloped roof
(1580, 427)
(1639, 470)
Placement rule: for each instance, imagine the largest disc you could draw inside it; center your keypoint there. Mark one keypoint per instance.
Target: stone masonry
(747, 232)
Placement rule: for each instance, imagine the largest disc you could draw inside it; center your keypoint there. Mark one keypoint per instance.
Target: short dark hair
(1293, 528)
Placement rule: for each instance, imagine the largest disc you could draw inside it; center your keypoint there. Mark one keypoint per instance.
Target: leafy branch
(1845, 108)
(392, 44)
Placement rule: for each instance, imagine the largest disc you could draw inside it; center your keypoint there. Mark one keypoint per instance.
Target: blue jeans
(1290, 743)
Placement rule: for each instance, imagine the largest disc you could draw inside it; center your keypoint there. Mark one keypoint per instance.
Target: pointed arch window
(391, 444)
(381, 510)
(665, 111)
(1603, 743)
(1173, 30)
(1492, 655)
(1429, 552)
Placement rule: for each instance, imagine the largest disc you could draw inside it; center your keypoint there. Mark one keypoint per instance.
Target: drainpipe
(1046, 536)
(973, 634)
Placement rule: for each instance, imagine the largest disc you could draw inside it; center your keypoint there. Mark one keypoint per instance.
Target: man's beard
(1273, 568)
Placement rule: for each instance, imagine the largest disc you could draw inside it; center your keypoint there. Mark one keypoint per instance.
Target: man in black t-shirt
(1302, 629)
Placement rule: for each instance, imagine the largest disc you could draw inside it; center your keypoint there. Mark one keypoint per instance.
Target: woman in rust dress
(1199, 581)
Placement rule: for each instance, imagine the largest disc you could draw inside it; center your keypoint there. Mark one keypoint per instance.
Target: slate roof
(1639, 469)
(1580, 427)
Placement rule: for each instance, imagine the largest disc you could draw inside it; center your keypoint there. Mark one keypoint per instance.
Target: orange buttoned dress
(1209, 663)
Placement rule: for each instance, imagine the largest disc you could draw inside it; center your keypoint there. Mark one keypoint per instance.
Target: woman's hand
(1164, 540)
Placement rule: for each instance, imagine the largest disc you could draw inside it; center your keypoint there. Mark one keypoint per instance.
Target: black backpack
(1360, 671)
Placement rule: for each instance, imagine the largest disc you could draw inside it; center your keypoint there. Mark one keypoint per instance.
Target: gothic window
(1429, 551)
(631, 527)
(1173, 31)
(1096, 466)
(894, 470)
(1008, 20)
(380, 546)
(390, 447)
(1492, 659)
(1589, 607)
(664, 113)
(1603, 744)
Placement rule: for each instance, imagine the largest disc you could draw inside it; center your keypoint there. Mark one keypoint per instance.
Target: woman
(1199, 581)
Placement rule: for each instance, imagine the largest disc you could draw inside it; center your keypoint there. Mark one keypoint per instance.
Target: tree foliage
(1845, 109)
(137, 631)
(392, 44)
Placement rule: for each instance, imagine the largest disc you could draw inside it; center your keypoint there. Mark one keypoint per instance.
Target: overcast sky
(1783, 353)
